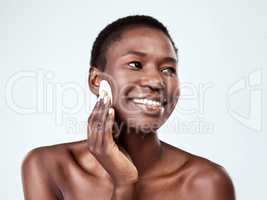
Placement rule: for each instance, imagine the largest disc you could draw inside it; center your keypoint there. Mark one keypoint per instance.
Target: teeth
(147, 102)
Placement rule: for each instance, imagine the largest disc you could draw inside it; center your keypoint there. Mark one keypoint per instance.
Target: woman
(122, 158)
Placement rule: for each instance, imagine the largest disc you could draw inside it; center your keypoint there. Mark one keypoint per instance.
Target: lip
(160, 99)
(147, 109)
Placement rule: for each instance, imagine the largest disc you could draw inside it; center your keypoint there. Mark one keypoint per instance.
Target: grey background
(44, 56)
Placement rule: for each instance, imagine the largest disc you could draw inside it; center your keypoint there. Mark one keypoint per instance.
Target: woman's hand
(102, 146)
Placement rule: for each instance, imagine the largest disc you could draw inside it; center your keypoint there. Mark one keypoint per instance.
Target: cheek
(118, 83)
(123, 83)
(176, 93)
(120, 92)
(173, 91)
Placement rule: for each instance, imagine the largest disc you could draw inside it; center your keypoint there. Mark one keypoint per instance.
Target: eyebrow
(142, 54)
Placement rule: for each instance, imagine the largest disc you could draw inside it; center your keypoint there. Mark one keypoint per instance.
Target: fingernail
(101, 94)
(99, 98)
(105, 99)
(110, 111)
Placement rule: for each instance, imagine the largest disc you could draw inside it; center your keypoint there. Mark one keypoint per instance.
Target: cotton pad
(104, 87)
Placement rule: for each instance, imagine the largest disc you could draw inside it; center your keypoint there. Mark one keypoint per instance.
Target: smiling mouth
(148, 106)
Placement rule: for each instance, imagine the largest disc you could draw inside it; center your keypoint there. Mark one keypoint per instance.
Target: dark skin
(136, 165)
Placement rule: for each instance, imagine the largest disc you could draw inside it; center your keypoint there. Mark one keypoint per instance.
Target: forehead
(143, 39)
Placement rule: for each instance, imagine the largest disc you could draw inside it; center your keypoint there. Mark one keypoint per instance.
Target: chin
(142, 124)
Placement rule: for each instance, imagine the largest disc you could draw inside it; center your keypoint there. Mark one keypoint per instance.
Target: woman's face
(141, 66)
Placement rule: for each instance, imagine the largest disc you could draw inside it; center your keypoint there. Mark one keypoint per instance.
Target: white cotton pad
(104, 87)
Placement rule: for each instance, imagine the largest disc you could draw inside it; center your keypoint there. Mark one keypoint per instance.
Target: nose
(153, 80)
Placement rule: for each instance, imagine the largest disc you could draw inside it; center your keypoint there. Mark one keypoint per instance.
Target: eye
(135, 65)
(169, 70)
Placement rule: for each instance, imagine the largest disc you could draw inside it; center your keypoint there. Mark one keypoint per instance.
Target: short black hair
(112, 32)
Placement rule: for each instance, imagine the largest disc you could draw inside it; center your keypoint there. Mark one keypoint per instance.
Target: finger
(93, 113)
(104, 115)
(109, 125)
(98, 125)
(91, 124)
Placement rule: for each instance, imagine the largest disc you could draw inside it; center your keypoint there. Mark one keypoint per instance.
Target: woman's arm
(102, 145)
(36, 181)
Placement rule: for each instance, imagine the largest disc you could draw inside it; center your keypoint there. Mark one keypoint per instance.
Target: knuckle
(90, 129)
(98, 125)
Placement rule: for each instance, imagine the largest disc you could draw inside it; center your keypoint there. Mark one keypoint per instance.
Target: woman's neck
(145, 149)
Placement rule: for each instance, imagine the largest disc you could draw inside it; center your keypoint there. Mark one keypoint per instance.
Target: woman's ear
(94, 80)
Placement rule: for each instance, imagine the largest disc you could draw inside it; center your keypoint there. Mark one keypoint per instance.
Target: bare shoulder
(204, 179)
(209, 180)
(48, 159)
(49, 153)
(43, 170)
